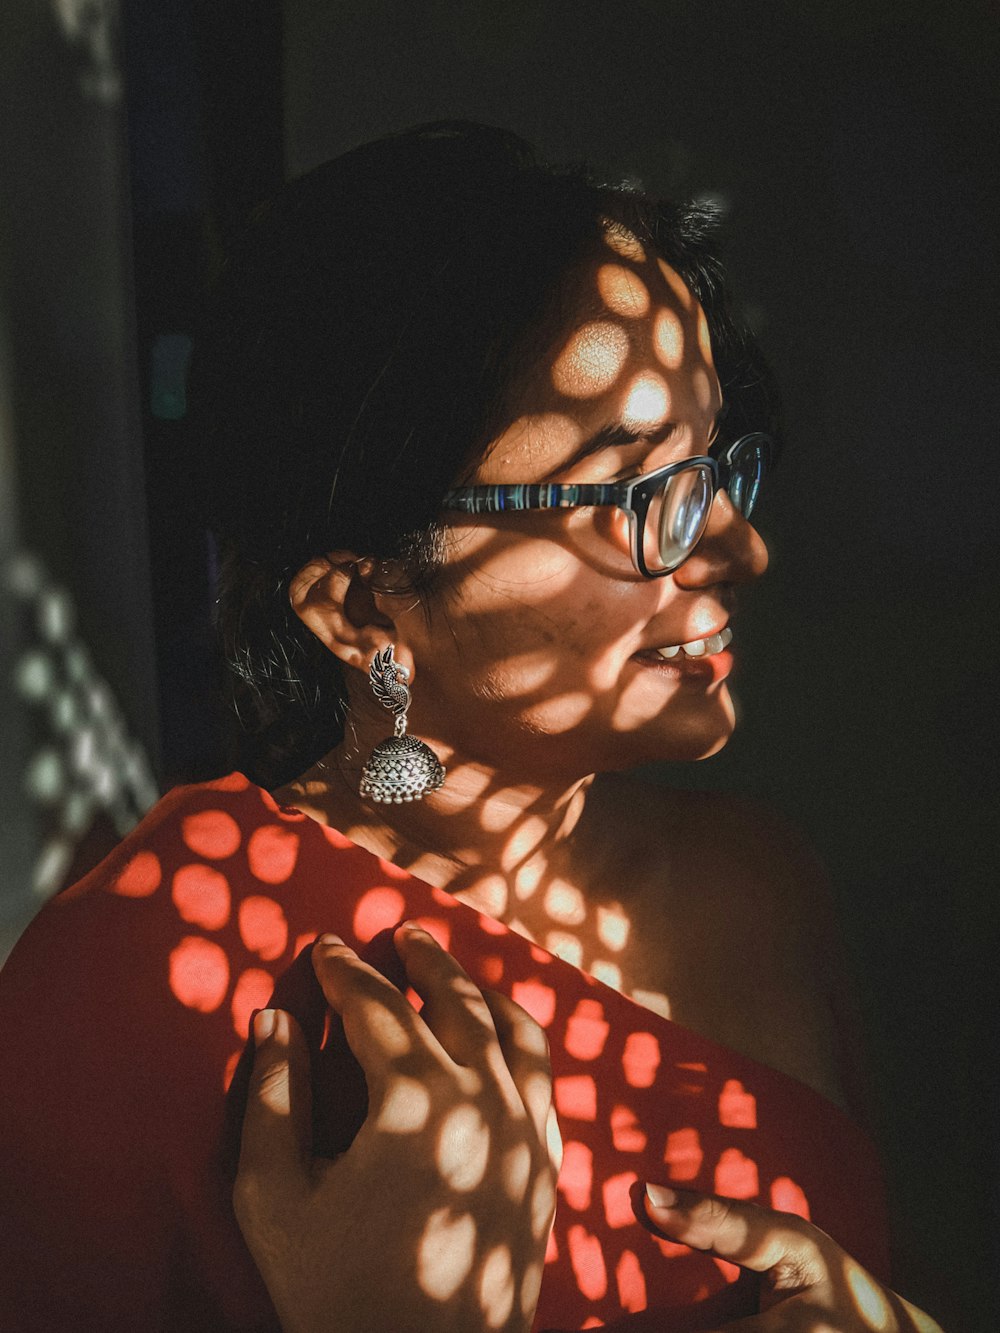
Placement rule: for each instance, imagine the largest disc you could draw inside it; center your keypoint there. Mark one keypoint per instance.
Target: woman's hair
(367, 340)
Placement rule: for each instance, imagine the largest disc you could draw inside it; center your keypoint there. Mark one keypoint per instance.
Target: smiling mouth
(695, 648)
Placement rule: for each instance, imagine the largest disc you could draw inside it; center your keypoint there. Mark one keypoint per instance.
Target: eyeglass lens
(676, 518)
(678, 513)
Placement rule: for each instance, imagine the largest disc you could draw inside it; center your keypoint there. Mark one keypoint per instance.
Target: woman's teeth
(700, 647)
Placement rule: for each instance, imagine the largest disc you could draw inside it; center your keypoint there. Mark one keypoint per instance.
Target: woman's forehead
(635, 347)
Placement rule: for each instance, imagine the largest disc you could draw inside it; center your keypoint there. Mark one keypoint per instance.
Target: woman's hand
(438, 1214)
(809, 1284)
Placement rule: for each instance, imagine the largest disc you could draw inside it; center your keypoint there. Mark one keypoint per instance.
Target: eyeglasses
(668, 509)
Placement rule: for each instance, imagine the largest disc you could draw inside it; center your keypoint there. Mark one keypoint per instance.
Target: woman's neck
(482, 836)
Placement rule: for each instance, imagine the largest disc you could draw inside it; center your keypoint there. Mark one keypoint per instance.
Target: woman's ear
(332, 597)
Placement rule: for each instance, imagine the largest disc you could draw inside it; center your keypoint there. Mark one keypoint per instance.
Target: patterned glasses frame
(728, 471)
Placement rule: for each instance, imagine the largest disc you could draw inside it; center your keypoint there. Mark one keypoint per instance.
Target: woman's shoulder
(739, 887)
(753, 849)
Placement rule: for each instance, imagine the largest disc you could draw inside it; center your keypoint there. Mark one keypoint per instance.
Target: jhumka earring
(400, 768)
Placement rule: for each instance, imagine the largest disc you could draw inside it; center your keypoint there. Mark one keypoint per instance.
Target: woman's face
(539, 655)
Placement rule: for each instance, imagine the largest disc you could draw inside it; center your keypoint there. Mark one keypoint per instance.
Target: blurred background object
(851, 147)
(80, 739)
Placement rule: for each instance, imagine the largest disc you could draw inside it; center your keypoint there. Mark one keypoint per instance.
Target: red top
(124, 1010)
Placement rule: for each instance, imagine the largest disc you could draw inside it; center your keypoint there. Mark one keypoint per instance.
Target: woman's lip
(701, 670)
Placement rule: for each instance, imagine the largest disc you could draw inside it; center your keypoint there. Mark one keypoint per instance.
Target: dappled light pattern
(201, 923)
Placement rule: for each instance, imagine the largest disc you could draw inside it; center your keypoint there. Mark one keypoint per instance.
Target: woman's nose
(731, 550)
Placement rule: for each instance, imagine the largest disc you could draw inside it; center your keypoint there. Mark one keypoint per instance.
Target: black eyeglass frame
(634, 497)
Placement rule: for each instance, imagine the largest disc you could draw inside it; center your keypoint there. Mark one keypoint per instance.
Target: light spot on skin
(531, 1285)
(516, 448)
(495, 816)
(530, 834)
(527, 879)
(647, 401)
(622, 291)
(676, 284)
(553, 1138)
(668, 338)
(564, 903)
(518, 675)
(490, 896)
(565, 946)
(496, 1287)
(702, 383)
(704, 337)
(463, 1148)
(536, 1095)
(516, 1171)
(613, 928)
(609, 973)
(561, 713)
(617, 237)
(591, 361)
(445, 1253)
(543, 1202)
(405, 1108)
(391, 1036)
(869, 1299)
(638, 703)
(653, 1000)
(531, 1039)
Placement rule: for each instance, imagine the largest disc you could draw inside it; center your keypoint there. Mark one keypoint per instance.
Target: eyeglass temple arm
(533, 495)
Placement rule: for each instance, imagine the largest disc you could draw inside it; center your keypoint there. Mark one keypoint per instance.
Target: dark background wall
(852, 146)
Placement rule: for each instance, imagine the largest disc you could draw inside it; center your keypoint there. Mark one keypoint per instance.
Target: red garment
(125, 1009)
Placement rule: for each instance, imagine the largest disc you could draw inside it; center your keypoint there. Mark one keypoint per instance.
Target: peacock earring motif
(400, 768)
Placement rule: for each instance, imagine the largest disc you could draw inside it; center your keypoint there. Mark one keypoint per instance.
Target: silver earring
(400, 768)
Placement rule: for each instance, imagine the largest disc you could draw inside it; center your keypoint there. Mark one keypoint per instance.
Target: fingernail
(263, 1025)
(413, 928)
(330, 939)
(661, 1196)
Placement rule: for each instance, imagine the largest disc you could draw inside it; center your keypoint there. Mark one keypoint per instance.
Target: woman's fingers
(780, 1244)
(525, 1049)
(380, 1024)
(454, 1008)
(277, 1123)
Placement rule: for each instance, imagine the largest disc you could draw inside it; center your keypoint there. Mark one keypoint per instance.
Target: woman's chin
(699, 737)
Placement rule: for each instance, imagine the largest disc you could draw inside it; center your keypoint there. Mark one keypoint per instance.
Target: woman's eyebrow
(624, 432)
(614, 434)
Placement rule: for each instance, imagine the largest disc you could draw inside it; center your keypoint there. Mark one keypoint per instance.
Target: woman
(482, 445)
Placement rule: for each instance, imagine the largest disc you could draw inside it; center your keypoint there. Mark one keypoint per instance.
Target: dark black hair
(365, 344)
